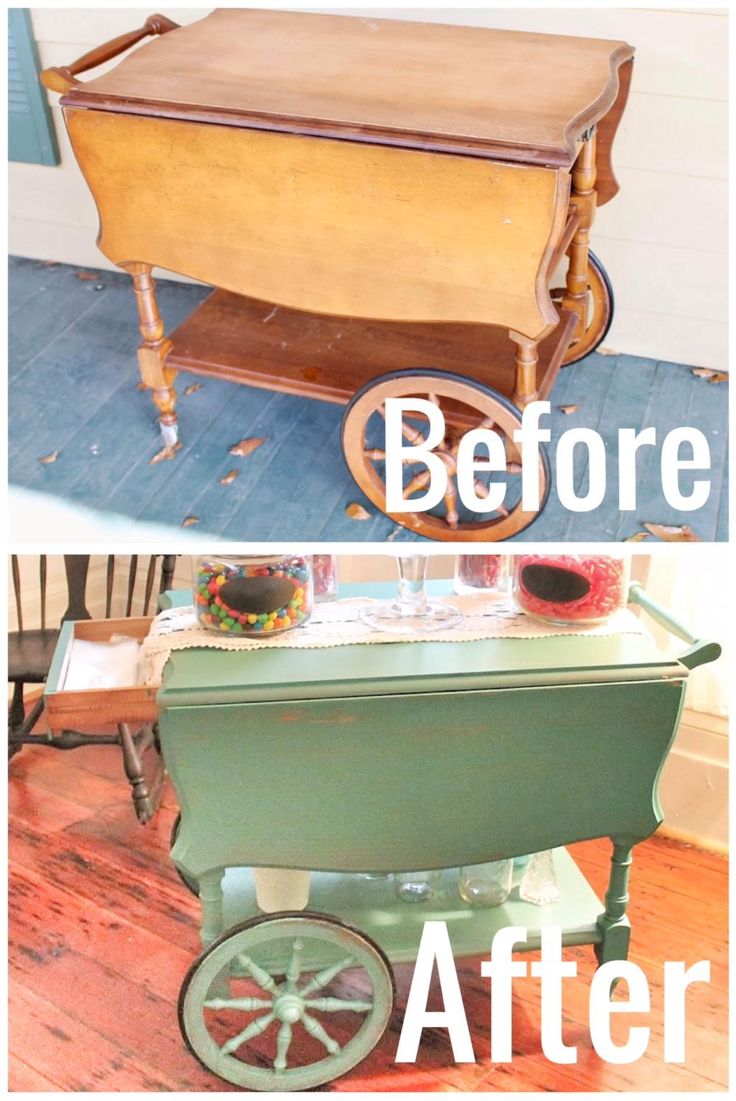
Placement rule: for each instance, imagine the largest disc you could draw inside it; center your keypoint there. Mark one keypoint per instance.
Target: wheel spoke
(451, 513)
(419, 481)
(487, 422)
(283, 1043)
(337, 1005)
(481, 489)
(322, 978)
(294, 970)
(375, 453)
(413, 435)
(315, 1029)
(255, 1028)
(262, 977)
(247, 1005)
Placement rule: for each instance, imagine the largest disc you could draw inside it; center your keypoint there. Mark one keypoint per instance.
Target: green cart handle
(699, 652)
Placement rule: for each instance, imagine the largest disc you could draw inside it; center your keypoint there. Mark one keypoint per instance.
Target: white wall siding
(662, 239)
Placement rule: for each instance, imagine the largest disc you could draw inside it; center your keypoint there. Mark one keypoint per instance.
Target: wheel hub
(288, 1008)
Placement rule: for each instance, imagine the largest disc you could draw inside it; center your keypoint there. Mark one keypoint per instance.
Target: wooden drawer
(96, 707)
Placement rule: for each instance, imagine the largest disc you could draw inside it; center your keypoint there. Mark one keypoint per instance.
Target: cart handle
(700, 651)
(63, 78)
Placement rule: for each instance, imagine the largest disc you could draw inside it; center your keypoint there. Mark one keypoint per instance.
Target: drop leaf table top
(500, 94)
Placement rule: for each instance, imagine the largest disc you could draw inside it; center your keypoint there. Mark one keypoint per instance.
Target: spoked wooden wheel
(465, 404)
(599, 312)
(287, 1002)
(189, 883)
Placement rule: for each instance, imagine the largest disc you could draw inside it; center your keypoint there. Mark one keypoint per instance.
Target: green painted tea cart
(358, 760)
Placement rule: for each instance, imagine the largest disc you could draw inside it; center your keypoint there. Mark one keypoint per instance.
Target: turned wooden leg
(583, 197)
(17, 714)
(527, 358)
(145, 798)
(210, 898)
(153, 352)
(613, 922)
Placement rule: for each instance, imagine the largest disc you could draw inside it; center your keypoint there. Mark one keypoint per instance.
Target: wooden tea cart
(388, 195)
(374, 759)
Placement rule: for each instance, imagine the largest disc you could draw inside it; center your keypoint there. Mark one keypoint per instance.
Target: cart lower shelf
(371, 906)
(321, 356)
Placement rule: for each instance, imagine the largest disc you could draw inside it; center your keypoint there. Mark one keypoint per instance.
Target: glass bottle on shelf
(486, 884)
(417, 886)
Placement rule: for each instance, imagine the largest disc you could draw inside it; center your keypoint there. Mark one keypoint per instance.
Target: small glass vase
(486, 574)
(486, 884)
(417, 886)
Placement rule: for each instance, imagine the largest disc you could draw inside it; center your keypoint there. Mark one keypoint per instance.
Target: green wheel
(286, 1002)
(189, 883)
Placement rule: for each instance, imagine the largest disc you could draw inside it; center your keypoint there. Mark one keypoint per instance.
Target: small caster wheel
(599, 315)
(465, 404)
(189, 883)
(286, 1002)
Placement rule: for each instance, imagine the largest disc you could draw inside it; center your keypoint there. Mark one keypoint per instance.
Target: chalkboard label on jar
(256, 595)
(554, 584)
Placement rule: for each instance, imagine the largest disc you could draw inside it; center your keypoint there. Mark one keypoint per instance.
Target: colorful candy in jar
(569, 589)
(324, 567)
(254, 596)
(475, 572)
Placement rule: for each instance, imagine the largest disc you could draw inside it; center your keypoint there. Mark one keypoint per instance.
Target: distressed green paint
(409, 756)
(421, 780)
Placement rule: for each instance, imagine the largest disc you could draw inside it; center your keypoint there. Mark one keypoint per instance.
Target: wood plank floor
(74, 390)
(102, 933)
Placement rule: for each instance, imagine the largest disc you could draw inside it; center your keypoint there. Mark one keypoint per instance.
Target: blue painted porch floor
(73, 389)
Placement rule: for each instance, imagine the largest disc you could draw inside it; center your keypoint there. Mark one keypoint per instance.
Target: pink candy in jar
(324, 571)
(480, 572)
(570, 588)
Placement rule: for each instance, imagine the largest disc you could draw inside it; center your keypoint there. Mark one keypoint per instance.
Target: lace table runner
(338, 624)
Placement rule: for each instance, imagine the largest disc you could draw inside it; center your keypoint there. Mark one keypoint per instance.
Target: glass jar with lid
(481, 573)
(253, 595)
(324, 568)
(570, 589)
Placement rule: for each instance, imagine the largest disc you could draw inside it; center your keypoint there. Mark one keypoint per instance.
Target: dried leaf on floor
(192, 389)
(188, 521)
(247, 446)
(142, 386)
(50, 264)
(167, 452)
(228, 478)
(638, 537)
(567, 409)
(357, 512)
(50, 458)
(671, 533)
(709, 374)
(86, 276)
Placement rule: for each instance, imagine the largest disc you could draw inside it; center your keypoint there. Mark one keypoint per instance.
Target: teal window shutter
(31, 135)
